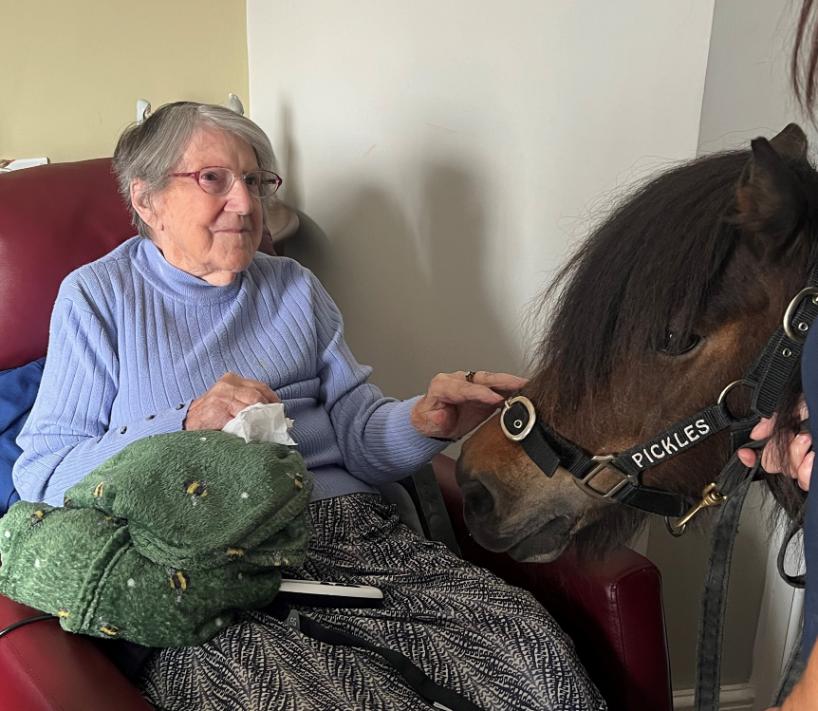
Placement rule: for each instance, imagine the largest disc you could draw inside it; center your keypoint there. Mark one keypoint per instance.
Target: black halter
(765, 381)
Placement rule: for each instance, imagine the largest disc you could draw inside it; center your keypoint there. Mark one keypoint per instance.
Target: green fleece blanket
(164, 542)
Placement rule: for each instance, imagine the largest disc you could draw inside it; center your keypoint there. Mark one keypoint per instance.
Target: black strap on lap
(439, 696)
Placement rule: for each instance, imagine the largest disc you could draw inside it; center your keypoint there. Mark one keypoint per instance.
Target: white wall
(451, 151)
(747, 92)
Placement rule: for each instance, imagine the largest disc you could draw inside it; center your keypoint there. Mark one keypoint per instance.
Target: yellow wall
(71, 71)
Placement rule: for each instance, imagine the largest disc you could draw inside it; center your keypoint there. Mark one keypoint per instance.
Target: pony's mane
(653, 265)
(656, 258)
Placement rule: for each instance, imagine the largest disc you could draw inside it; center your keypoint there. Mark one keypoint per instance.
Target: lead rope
(714, 597)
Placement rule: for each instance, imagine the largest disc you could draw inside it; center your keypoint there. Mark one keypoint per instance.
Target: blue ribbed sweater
(133, 341)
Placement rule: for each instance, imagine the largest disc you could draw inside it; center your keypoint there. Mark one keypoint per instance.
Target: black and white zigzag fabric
(465, 628)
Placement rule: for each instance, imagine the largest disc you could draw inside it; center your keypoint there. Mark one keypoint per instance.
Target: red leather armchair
(55, 218)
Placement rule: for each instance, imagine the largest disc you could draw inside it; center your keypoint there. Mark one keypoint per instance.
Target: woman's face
(210, 236)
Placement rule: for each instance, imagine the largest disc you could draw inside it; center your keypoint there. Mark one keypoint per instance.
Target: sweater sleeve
(68, 432)
(374, 433)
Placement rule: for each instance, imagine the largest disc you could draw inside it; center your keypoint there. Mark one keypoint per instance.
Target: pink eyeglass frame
(278, 180)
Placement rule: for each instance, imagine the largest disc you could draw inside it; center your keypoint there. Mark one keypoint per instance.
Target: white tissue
(261, 423)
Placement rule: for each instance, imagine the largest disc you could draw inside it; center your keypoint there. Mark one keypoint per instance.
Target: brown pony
(668, 301)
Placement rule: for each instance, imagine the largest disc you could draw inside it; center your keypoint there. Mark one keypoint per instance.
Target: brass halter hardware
(711, 496)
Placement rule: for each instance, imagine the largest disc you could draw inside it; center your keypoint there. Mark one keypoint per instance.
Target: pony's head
(667, 302)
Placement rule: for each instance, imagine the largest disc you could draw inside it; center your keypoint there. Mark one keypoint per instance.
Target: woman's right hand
(229, 396)
(800, 457)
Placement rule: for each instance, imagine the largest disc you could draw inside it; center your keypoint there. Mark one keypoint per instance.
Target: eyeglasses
(216, 180)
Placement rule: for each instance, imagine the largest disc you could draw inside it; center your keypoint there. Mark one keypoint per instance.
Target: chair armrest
(612, 609)
(44, 668)
(429, 507)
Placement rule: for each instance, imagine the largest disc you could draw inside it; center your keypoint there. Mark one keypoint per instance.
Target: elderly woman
(183, 326)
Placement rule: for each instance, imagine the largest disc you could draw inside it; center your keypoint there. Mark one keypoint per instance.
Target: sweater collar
(176, 283)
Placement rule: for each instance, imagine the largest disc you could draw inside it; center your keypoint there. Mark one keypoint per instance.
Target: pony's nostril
(478, 499)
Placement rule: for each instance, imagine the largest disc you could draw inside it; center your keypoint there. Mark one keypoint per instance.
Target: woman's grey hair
(151, 150)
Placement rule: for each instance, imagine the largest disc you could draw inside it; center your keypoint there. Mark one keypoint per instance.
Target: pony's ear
(791, 142)
(770, 200)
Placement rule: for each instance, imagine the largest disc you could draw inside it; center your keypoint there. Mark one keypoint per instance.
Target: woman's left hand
(454, 406)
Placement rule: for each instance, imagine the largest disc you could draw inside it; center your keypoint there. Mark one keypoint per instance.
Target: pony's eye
(674, 346)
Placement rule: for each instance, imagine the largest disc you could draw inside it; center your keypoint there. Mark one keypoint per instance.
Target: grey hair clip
(143, 110)
(234, 104)
(143, 107)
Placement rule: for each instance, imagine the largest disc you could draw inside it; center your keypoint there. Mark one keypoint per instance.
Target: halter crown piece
(765, 381)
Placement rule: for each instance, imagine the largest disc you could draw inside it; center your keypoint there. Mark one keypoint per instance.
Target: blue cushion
(18, 389)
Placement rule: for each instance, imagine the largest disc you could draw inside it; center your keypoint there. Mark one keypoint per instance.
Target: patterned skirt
(464, 627)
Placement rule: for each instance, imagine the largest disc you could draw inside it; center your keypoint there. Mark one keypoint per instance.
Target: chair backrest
(53, 219)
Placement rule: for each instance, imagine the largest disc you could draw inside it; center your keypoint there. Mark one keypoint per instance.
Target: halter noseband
(765, 380)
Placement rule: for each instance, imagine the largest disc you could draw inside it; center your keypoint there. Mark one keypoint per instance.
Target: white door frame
(779, 621)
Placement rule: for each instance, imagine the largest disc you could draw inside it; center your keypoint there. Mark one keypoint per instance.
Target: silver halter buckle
(799, 335)
(522, 429)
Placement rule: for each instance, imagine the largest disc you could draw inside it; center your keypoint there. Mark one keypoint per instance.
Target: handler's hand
(804, 695)
(800, 699)
(800, 457)
(229, 396)
(452, 406)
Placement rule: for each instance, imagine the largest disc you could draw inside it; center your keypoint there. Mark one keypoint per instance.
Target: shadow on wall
(413, 298)
(288, 158)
